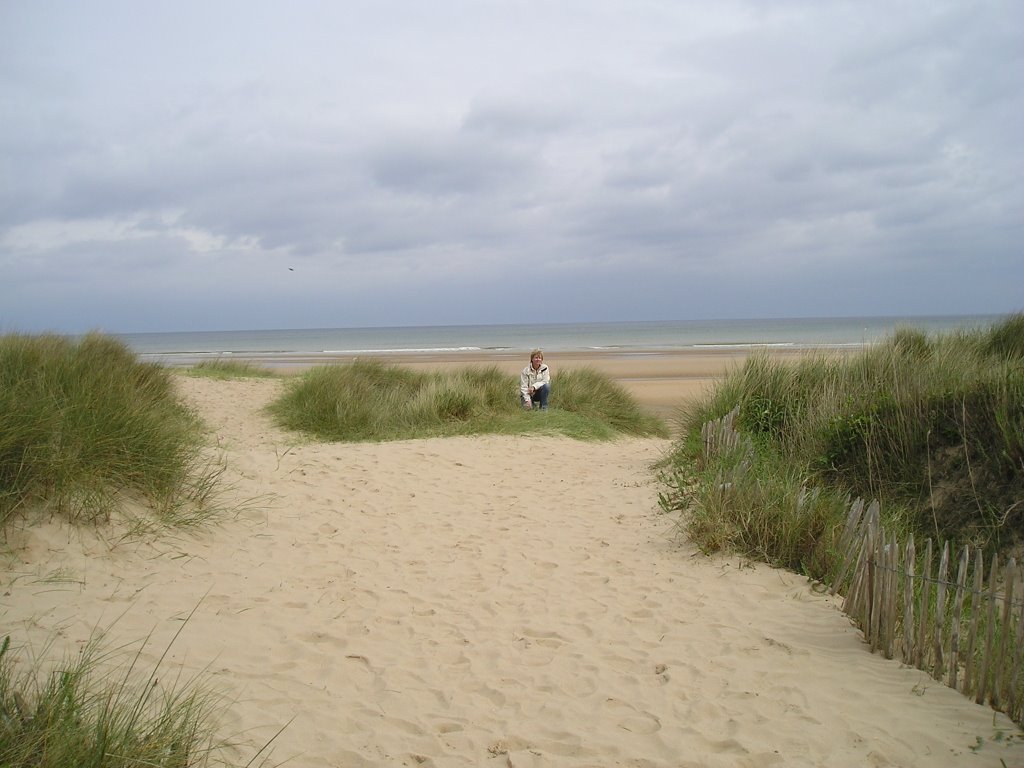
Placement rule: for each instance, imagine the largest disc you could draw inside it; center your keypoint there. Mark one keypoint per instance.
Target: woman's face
(536, 360)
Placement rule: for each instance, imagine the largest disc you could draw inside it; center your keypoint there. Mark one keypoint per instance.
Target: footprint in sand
(632, 719)
(319, 638)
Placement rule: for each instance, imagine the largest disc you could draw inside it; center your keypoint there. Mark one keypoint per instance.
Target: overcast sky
(231, 165)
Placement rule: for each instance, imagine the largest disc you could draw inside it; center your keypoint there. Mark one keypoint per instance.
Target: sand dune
(487, 601)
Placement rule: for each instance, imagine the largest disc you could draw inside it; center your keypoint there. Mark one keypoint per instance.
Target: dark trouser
(541, 396)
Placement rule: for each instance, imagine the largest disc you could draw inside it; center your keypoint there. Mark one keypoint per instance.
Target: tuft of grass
(221, 368)
(591, 394)
(89, 711)
(370, 400)
(1006, 340)
(85, 427)
(932, 426)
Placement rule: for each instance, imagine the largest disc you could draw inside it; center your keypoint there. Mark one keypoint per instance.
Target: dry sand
(487, 601)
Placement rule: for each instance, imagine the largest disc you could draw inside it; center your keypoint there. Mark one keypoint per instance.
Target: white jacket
(536, 379)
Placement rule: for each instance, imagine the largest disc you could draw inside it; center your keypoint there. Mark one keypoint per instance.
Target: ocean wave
(403, 351)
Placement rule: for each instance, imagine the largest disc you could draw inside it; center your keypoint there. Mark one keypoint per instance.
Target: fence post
(908, 603)
(853, 605)
(1010, 572)
(875, 581)
(883, 593)
(986, 656)
(977, 606)
(1013, 703)
(958, 604)
(926, 600)
(892, 596)
(848, 543)
(938, 662)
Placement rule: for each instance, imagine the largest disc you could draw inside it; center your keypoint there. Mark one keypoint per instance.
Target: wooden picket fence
(963, 629)
(721, 435)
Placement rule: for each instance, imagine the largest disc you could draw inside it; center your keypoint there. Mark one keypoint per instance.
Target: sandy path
(488, 602)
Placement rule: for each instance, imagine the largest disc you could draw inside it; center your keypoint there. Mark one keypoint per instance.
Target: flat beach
(486, 601)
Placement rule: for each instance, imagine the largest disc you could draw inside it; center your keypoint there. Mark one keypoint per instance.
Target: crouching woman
(535, 382)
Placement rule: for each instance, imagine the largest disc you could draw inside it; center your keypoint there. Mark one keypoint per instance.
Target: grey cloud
(456, 165)
(716, 149)
(523, 121)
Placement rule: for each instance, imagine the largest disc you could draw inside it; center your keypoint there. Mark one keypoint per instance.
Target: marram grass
(97, 710)
(220, 368)
(85, 427)
(373, 401)
(931, 426)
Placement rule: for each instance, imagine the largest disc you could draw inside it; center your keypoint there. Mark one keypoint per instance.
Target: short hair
(536, 352)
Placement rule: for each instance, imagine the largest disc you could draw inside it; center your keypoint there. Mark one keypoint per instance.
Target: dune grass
(102, 709)
(85, 427)
(932, 426)
(371, 401)
(76, 715)
(86, 430)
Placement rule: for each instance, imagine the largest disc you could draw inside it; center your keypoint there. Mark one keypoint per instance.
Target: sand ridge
(487, 601)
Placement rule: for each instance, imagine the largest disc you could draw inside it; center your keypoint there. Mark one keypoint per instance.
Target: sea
(639, 337)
